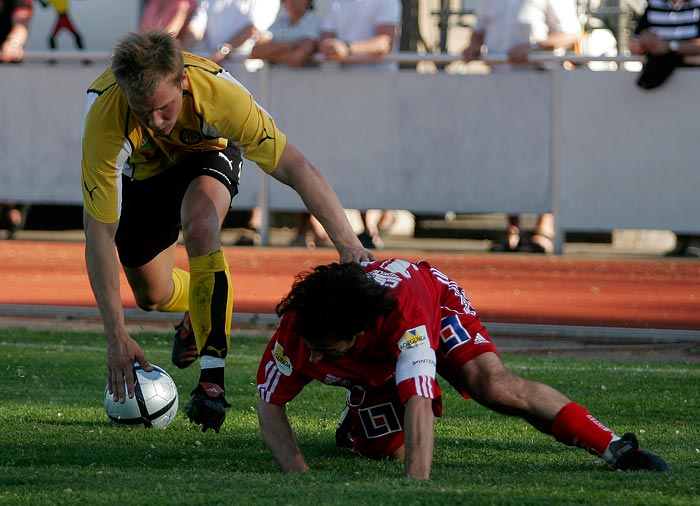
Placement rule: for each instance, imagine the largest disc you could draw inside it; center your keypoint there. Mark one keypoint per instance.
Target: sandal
(510, 243)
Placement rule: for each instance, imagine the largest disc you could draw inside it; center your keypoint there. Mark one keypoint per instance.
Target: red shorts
(462, 339)
(378, 413)
(377, 420)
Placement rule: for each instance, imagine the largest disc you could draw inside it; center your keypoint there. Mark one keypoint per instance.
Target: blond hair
(142, 61)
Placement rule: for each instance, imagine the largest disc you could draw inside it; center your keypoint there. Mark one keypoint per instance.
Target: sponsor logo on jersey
(146, 142)
(413, 338)
(282, 360)
(190, 137)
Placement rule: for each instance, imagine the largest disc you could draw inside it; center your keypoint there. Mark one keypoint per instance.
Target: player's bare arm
(279, 437)
(103, 271)
(419, 437)
(320, 199)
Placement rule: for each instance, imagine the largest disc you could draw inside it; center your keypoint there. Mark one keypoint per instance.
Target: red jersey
(433, 317)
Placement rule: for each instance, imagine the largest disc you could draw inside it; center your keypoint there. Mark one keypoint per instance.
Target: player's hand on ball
(122, 353)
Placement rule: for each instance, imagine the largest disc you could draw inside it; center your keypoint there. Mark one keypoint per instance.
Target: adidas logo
(479, 339)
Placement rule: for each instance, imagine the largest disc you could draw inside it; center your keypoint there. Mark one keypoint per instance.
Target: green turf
(57, 446)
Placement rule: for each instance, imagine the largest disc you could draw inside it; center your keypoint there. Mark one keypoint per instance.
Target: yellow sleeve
(105, 150)
(229, 110)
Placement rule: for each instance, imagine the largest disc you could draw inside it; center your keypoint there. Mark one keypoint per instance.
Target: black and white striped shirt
(671, 20)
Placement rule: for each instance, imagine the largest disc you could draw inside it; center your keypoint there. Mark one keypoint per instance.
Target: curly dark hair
(334, 302)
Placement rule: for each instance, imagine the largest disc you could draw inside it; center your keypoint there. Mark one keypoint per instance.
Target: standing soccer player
(383, 330)
(163, 138)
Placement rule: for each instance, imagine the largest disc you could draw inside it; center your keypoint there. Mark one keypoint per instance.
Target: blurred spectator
(62, 21)
(367, 28)
(597, 40)
(293, 37)
(171, 15)
(310, 232)
(228, 25)
(364, 29)
(668, 33)
(515, 28)
(15, 16)
(12, 217)
(292, 40)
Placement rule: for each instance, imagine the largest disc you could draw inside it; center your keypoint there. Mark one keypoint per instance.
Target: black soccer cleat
(207, 407)
(628, 456)
(344, 434)
(184, 344)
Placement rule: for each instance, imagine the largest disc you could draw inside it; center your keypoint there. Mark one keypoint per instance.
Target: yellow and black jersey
(216, 109)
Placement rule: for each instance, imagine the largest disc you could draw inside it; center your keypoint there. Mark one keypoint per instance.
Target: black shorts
(150, 217)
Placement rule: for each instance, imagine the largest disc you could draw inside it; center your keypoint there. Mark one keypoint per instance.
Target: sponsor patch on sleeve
(414, 338)
(282, 360)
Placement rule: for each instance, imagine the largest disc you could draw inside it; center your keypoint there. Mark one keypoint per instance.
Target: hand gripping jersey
(216, 109)
(433, 326)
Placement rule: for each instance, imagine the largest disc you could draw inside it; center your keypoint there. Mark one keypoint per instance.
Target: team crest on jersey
(414, 338)
(282, 360)
(190, 137)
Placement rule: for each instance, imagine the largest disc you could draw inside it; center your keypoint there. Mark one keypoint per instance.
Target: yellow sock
(211, 303)
(179, 301)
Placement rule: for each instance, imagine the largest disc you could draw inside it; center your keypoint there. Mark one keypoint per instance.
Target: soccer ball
(154, 403)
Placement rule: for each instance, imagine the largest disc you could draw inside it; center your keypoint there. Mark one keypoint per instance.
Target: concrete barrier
(589, 146)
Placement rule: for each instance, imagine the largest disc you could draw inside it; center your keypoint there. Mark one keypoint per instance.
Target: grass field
(57, 446)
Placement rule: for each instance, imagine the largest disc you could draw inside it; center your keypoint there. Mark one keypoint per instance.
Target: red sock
(575, 426)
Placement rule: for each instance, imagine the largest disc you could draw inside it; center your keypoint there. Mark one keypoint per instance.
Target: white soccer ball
(154, 403)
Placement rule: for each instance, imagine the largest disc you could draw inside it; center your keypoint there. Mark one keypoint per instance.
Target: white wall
(621, 158)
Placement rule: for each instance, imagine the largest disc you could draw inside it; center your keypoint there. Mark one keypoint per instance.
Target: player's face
(160, 111)
(332, 351)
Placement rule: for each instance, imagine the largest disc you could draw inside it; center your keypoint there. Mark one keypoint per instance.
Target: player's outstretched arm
(319, 198)
(279, 437)
(103, 271)
(419, 437)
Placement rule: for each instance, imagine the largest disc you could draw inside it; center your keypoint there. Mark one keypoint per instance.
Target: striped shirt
(671, 21)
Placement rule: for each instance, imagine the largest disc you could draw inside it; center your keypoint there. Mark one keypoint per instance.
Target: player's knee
(146, 305)
(201, 236)
(147, 302)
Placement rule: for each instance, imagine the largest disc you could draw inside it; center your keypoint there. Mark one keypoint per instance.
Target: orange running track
(506, 288)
